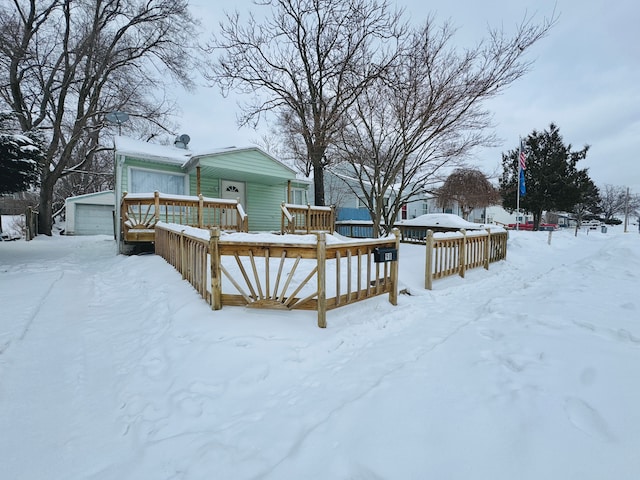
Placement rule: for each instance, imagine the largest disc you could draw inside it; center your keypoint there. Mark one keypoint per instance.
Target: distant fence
(295, 272)
(306, 219)
(408, 233)
(355, 228)
(455, 253)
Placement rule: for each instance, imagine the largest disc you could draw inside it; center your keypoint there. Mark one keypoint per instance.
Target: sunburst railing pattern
(283, 272)
(140, 212)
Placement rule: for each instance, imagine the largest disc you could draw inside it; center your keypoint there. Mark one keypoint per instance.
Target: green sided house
(247, 177)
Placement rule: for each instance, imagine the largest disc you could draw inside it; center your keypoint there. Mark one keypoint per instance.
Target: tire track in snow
(39, 304)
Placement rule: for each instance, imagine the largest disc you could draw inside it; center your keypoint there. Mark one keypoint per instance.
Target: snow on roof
(181, 156)
(90, 195)
(151, 151)
(447, 220)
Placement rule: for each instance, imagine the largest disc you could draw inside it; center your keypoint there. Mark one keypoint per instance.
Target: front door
(233, 191)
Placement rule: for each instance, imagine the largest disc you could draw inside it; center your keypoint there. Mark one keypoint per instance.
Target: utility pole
(626, 211)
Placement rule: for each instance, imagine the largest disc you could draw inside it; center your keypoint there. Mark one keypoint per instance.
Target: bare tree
(65, 64)
(470, 189)
(426, 114)
(613, 201)
(310, 60)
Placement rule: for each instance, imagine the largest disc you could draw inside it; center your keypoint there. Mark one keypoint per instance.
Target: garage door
(94, 219)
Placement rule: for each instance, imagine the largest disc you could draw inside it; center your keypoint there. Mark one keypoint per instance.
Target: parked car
(591, 224)
(529, 226)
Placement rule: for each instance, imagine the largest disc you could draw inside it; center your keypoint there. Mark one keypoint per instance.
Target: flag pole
(518, 194)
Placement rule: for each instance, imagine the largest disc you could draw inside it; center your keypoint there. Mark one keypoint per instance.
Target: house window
(404, 211)
(298, 196)
(146, 181)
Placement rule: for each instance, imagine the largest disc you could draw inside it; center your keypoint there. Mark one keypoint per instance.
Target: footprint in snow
(490, 334)
(587, 419)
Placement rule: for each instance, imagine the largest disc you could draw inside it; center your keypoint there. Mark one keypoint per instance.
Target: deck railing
(140, 212)
(291, 272)
(306, 219)
(408, 233)
(454, 253)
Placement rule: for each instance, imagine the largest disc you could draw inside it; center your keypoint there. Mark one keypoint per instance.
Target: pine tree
(19, 163)
(553, 181)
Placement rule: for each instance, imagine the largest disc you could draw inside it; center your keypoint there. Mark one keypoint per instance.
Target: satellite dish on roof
(118, 118)
(182, 141)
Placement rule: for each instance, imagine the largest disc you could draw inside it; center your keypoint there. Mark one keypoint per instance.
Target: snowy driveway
(112, 367)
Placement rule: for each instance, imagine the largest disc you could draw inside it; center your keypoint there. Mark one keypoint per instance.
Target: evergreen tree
(589, 196)
(19, 157)
(552, 179)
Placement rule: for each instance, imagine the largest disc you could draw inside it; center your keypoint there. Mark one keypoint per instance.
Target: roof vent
(181, 141)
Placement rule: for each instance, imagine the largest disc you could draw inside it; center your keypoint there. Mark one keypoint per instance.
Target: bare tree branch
(65, 64)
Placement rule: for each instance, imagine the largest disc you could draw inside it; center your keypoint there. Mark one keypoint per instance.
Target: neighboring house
(341, 183)
(341, 190)
(497, 214)
(90, 214)
(259, 181)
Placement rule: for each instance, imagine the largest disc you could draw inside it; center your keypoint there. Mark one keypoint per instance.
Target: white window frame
(184, 176)
(303, 196)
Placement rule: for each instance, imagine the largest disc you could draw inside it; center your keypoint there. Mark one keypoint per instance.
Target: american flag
(522, 157)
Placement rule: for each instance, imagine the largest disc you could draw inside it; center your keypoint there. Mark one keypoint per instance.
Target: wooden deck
(140, 212)
(307, 219)
(281, 274)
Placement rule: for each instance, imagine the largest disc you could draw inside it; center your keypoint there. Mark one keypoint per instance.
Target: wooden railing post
(393, 294)
(200, 209)
(198, 176)
(216, 281)
(487, 250)
(463, 253)
(503, 243)
(308, 218)
(239, 222)
(332, 224)
(322, 292)
(182, 268)
(428, 273)
(156, 197)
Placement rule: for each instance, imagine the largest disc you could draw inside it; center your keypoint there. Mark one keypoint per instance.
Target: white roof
(79, 198)
(151, 151)
(179, 156)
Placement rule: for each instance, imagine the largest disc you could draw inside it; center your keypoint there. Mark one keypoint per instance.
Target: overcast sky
(585, 79)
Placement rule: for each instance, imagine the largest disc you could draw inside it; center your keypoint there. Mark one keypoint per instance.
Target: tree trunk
(376, 227)
(318, 183)
(45, 209)
(537, 215)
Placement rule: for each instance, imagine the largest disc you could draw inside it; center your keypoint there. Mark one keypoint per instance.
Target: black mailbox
(388, 254)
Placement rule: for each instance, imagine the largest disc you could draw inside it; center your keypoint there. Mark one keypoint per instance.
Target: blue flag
(522, 165)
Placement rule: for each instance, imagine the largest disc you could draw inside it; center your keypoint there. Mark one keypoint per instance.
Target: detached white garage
(90, 214)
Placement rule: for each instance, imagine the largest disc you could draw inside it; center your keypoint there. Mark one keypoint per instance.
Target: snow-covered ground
(112, 367)
(12, 227)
